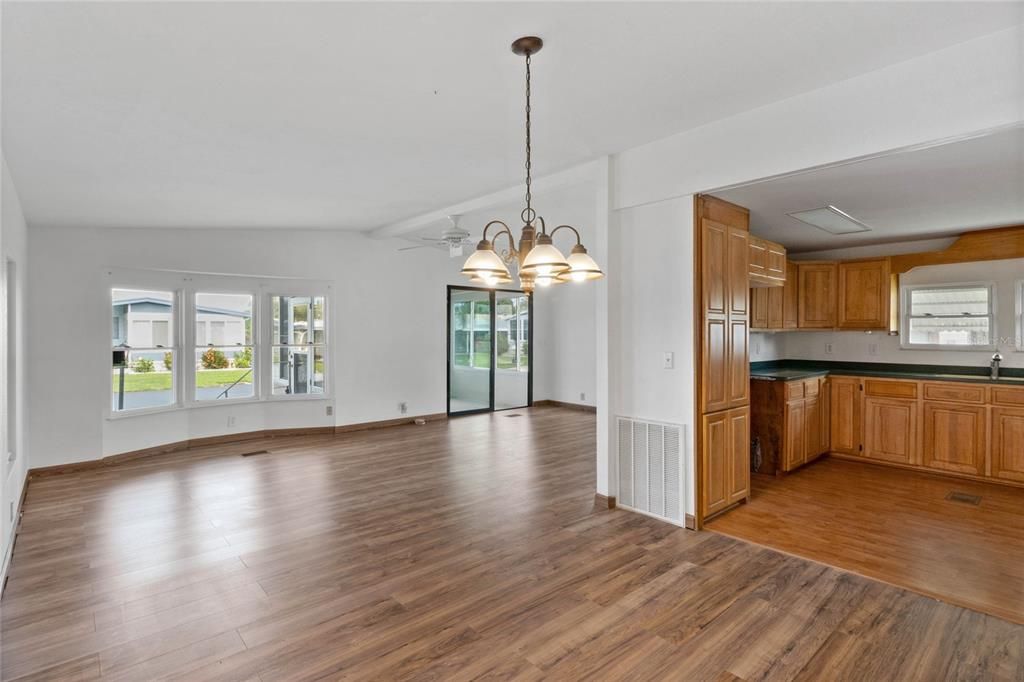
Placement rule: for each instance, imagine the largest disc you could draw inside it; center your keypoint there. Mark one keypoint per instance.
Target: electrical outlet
(669, 360)
(12, 512)
(757, 346)
(330, 410)
(231, 421)
(872, 349)
(828, 349)
(583, 396)
(403, 407)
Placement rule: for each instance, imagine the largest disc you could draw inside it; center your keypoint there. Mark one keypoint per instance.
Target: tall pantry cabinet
(722, 282)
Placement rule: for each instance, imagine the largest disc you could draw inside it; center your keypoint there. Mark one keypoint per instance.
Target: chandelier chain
(529, 150)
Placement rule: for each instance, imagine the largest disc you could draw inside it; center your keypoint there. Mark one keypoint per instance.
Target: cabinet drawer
(1011, 396)
(952, 392)
(794, 390)
(812, 387)
(883, 388)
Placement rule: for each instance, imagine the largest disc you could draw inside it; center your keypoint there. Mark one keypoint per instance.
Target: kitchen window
(949, 317)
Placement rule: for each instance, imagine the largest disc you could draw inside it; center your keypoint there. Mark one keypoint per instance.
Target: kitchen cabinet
(890, 420)
(863, 294)
(845, 436)
(724, 251)
(787, 421)
(725, 459)
(791, 297)
(816, 305)
(766, 263)
(1008, 443)
(775, 308)
(954, 437)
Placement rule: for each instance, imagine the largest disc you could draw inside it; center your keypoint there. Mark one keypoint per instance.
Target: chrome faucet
(994, 365)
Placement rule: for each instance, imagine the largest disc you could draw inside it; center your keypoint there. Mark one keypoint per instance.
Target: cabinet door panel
(738, 276)
(757, 260)
(825, 396)
(716, 375)
(739, 456)
(863, 300)
(775, 313)
(812, 428)
(845, 426)
(794, 451)
(791, 298)
(775, 263)
(738, 363)
(890, 430)
(714, 469)
(817, 297)
(714, 259)
(1008, 443)
(954, 438)
(759, 308)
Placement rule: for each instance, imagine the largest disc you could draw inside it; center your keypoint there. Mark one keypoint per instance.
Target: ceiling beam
(567, 178)
(994, 244)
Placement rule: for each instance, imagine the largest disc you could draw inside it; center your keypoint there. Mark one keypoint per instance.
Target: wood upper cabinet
(890, 430)
(863, 294)
(725, 465)
(738, 278)
(791, 297)
(759, 308)
(766, 263)
(725, 359)
(817, 295)
(845, 423)
(1008, 443)
(954, 437)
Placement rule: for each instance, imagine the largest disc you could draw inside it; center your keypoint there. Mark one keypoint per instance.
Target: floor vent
(513, 415)
(963, 498)
(650, 466)
(255, 452)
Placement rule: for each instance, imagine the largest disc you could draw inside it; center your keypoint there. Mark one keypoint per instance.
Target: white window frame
(905, 316)
(272, 344)
(185, 286)
(178, 337)
(190, 399)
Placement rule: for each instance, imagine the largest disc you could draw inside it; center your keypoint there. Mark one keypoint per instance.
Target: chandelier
(537, 260)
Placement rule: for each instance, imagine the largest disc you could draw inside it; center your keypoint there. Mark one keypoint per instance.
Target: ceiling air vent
(830, 219)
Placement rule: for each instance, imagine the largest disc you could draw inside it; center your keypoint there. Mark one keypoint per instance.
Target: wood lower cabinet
(890, 430)
(725, 459)
(794, 454)
(1008, 443)
(787, 422)
(954, 437)
(845, 435)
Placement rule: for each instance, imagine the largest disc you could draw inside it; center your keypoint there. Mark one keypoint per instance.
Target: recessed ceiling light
(831, 220)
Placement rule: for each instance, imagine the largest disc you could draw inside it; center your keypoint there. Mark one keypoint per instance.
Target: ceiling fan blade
(412, 248)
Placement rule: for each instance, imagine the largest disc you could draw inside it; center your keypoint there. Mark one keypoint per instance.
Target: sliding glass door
(488, 350)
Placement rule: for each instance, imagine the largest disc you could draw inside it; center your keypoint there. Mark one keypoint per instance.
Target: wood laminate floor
(458, 550)
(897, 526)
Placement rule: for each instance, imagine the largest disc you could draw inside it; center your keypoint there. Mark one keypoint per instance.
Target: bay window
(143, 343)
(298, 345)
(225, 349)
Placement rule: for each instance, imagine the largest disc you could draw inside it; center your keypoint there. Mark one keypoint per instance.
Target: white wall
(857, 346)
(389, 331)
(767, 346)
(13, 247)
(651, 313)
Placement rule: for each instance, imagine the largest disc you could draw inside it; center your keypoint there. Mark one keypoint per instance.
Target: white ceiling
(938, 191)
(350, 116)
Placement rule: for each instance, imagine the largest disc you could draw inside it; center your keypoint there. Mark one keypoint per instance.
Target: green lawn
(161, 381)
(482, 359)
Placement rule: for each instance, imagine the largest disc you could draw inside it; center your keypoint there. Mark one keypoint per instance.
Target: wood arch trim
(995, 244)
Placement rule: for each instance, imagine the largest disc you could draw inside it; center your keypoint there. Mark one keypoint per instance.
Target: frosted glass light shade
(485, 264)
(581, 266)
(544, 259)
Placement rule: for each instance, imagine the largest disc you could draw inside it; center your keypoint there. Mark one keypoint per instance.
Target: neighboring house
(145, 322)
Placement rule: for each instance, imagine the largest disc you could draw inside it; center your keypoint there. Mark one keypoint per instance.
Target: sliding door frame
(494, 347)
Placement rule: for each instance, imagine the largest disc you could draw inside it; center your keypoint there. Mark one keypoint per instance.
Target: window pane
(224, 319)
(142, 318)
(297, 319)
(946, 331)
(297, 370)
(223, 373)
(951, 301)
(144, 381)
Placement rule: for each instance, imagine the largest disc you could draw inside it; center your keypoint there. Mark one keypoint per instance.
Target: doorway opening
(490, 350)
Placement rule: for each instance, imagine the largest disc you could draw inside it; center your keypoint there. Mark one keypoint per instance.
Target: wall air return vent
(650, 468)
(830, 219)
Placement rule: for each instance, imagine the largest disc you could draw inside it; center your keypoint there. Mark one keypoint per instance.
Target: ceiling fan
(453, 237)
